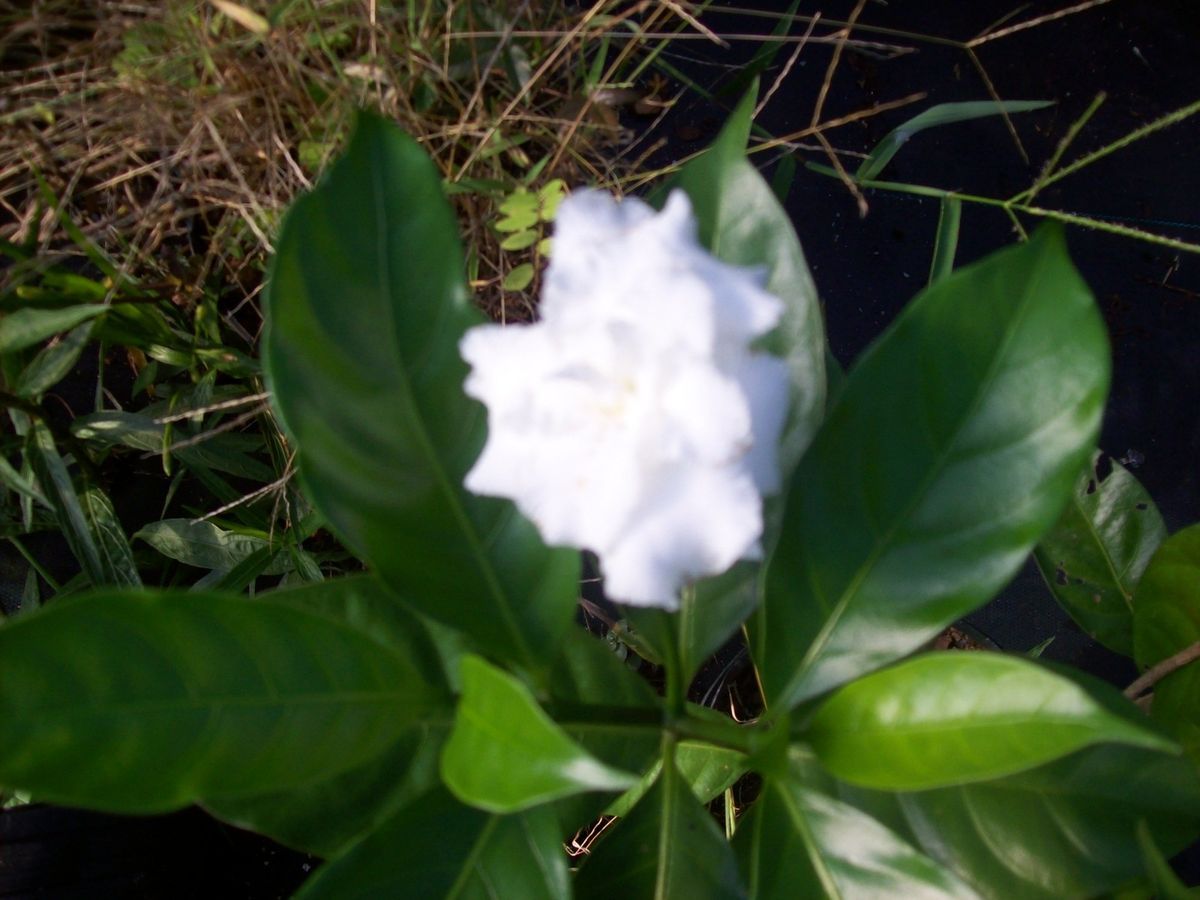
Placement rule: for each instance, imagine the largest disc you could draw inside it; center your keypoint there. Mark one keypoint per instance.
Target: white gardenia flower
(634, 420)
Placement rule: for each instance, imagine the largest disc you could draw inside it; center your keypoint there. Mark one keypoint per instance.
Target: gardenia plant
(437, 726)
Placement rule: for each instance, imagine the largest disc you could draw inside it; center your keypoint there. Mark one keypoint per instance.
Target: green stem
(1077, 126)
(1011, 206)
(946, 240)
(1137, 134)
(731, 736)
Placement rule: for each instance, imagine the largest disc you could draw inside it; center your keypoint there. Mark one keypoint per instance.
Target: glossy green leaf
(505, 754)
(366, 304)
(147, 702)
(363, 603)
(951, 718)
(26, 327)
(436, 847)
(1067, 829)
(942, 114)
(324, 816)
(53, 362)
(1094, 555)
(205, 545)
(1166, 615)
(798, 842)
(952, 447)
(741, 222)
(667, 847)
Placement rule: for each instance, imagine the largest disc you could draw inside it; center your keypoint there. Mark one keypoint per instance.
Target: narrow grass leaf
(52, 472)
(26, 327)
(942, 114)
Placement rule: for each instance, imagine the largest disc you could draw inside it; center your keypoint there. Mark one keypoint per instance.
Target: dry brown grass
(174, 136)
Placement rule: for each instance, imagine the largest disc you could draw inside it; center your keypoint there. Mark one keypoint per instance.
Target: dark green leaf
(505, 754)
(952, 447)
(741, 222)
(1063, 830)
(667, 847)
(952, 718)
(588, 671)
(324, 816)
(366, 304)
(221, 452)
(22, 483)
(363, 603)
(942, 114)
(797, 842)
(588, 674)
(116, 557)
(436, 847)
(1167, 885)
(147, 702)
(708, 771)
(1166, 620)
(26, 327)
(204, 545)
(1095, 554)
(53, 362)
(244, 573)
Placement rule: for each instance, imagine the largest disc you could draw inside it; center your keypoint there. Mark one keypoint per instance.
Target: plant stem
(1156, 673)
(729, 735)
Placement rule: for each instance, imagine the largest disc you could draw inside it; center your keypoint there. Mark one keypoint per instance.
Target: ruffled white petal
(634, 419)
